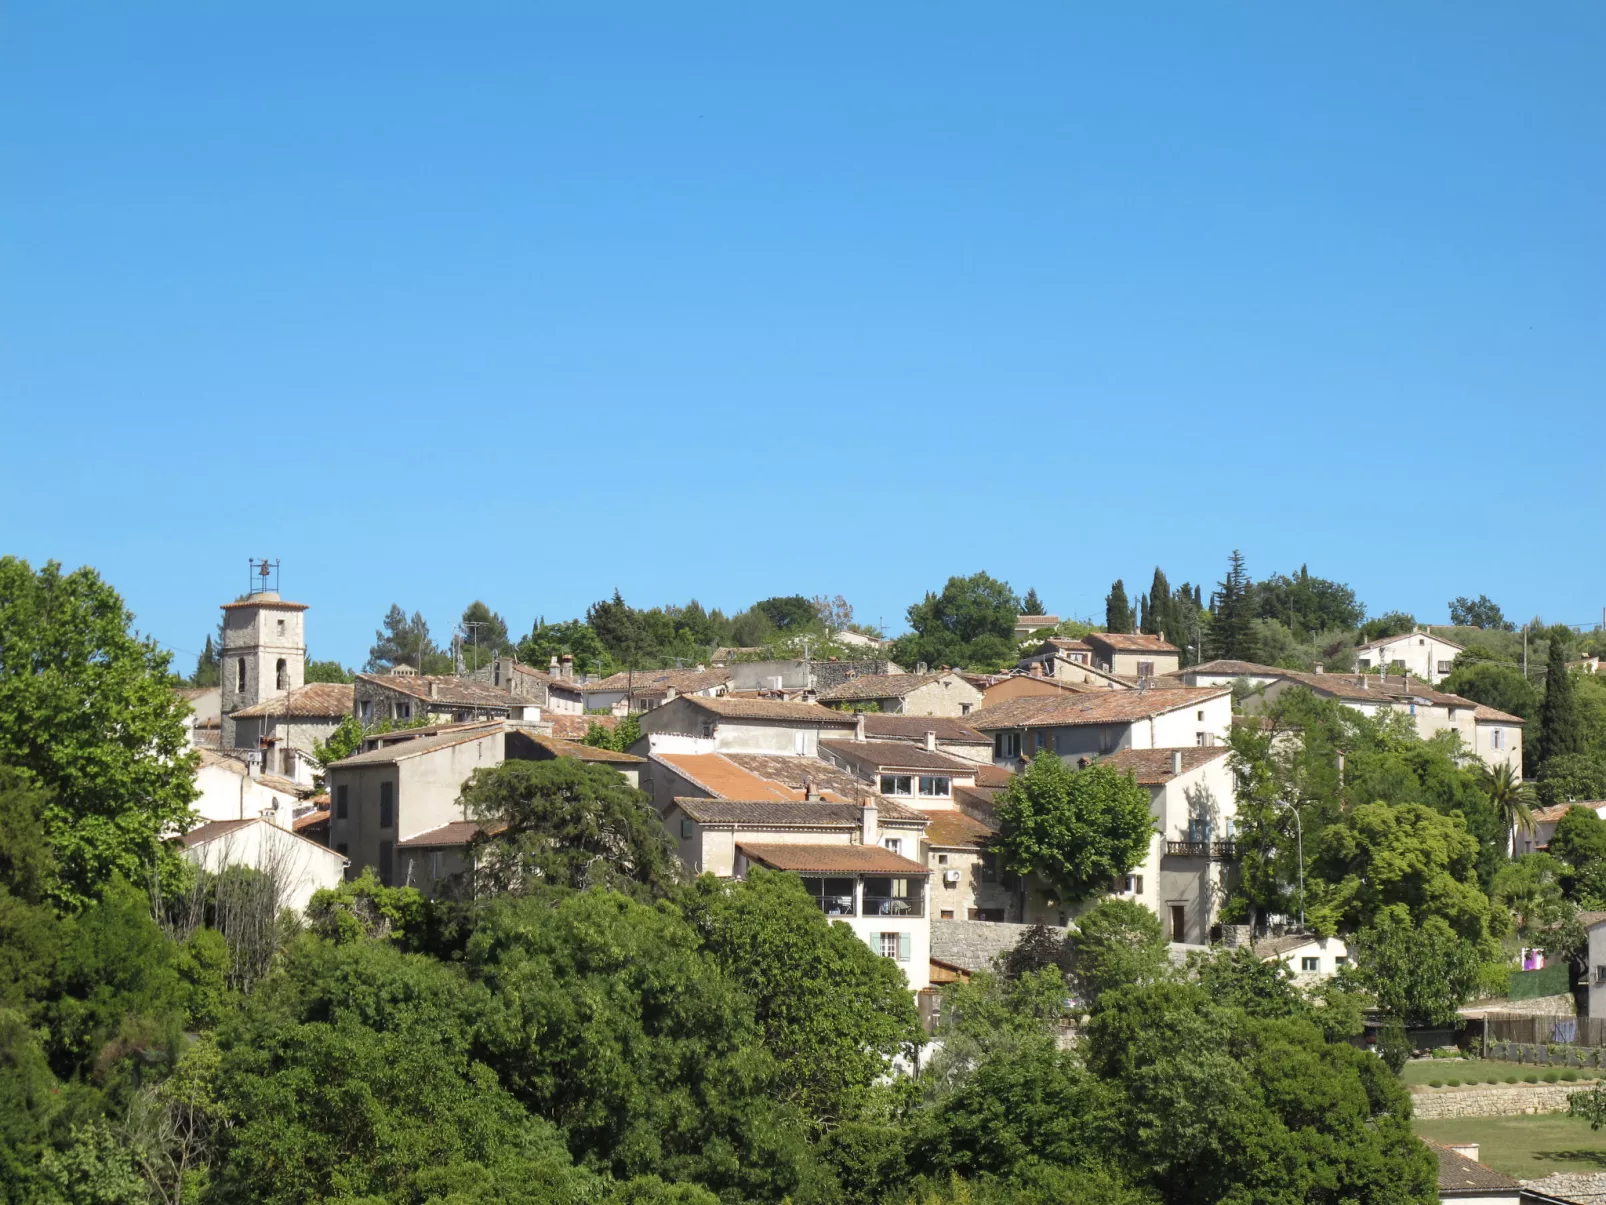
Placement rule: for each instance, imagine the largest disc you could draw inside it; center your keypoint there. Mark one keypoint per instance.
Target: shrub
(1531, 1078)
(1435, 1083)
(1569, 1075)
(1552, 1076)
(1454, 1083)
(1511, 1079)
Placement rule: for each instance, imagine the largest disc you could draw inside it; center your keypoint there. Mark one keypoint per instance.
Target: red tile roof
(901, 755)
(993, 776)
(956, 830)
(658, 681)
(1130, 642)
(1490, 714)
(949, 729)
(213, 829)
(722, 779)
(765, 709)
(458, 832)
(559, 747)
(315, 700)
(313, 819)
(450, 690)
(1105, 707)
(1152, 767)
(265, 599)
(769, 813)
(1457, 1173)
(831, 859)
(879, 686)
(574, 727)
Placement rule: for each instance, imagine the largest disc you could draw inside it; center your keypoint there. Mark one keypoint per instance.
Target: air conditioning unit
(950, 876)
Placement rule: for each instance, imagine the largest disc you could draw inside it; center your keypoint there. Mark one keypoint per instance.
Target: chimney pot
(1176, 761)
(931, 741)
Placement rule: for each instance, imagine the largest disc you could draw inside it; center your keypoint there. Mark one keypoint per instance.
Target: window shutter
(905, 941)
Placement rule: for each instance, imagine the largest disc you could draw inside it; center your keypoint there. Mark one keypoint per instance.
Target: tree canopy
(970, 624)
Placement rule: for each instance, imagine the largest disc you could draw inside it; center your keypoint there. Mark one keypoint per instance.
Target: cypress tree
(1559, 730)
(1229, 627)
(1157, 614)
(1117, 610)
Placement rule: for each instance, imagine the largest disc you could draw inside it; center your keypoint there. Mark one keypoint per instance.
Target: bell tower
(264, 653)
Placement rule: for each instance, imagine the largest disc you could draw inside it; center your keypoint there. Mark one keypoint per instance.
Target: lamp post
(1299, 836)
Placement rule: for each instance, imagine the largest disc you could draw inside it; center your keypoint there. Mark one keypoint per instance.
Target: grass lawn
(1468, 1071)
(1526, 1147)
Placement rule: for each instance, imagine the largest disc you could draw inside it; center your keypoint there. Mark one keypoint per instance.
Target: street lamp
(1299, 836)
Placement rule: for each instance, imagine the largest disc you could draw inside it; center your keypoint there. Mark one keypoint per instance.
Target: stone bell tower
(264, 653)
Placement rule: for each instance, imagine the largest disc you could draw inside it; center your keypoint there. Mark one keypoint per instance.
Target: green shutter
(905, 941)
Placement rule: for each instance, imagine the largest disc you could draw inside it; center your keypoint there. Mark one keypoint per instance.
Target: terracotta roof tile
(265, 599)
(314, 700)
(831, 859)
(765, 709)
(658, 681)
(949, 730)
(770, 813)
(956, 830)
(1130, 642)
(1458, 1173)
(993, 776)
(879, 686)
(559, 747)
(1153, 766)
(311, 820)
(213, 829)
(449, 689)
(1242, 669)
(1106, 707)
(458, 832)
(400, 750)
(791, 772)
(720, 778)
(574, 727)
(1492, 715)
(903, 755)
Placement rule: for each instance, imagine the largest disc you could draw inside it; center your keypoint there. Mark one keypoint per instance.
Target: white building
(1088, 726)
(230, 786)
(300, 866)
(1420, 653)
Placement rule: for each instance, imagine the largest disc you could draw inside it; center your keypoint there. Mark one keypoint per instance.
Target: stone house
(631, 692)
(946, 694)
(1087, 726)
(1193, 799)
(302, 867)
(553, 690)
(843, 854)
(955, 737)
(203, 726)
(1133, 654)
(403, 696)
(1419, 653)
(263, 655)
(917, 774)
(701, 724)
(1310, 958)
(286, 729)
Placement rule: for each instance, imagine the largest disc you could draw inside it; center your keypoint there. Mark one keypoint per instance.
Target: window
(708, 730)
(387, 862)
(895, 945)
(242, 673)
(404, 711)
(1364, 663)
(281, 627)
(1421, 640)
(946, 914)
(1309, 964)
(1444, 667)
(1200, 717)
(895, 844)
(1600, 974)
(993, 915)
(1106, 740)
(688, 829)
(835, 896)
(1131, 884)
(964, 709)
(434, 865)
(1341, 960)
(1145, 669)
(942, 859)
(341, 848)
(937, 786)
(342, 801)
(387, 805)
(281, 676)
(897, 784)
(1179, 922)
(1497, 738)
(367, 708)
(894, 897)
(1006, 744)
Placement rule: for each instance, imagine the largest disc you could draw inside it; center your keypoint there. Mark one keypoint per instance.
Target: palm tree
(1512, 800)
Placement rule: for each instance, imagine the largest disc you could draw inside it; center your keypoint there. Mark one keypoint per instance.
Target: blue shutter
(905, 941)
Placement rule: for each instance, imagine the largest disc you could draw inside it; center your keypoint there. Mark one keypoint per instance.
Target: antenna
(259, 574)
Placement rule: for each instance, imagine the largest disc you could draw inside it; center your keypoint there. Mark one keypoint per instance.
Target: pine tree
(1117, 610)
(1559, 731)
(1229, 627)
(1031, 604)
(404, 641)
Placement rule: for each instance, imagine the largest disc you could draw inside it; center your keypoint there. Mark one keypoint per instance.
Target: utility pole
(1299, 836)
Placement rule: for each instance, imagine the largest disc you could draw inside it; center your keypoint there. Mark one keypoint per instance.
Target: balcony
(1219, 850)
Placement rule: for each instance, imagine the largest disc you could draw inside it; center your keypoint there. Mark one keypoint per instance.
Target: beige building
(631, 692)
(553, 690)
(1193, 800)
(1133, 654)
(299, 866)
(1225, 673)
(288, 728)
(204, 724)
(1087, 726)
(1419, 653)
(954, 736)
(1311, 959)
(946, 694)
(229, 786)
(698, 724)
(1027, 626)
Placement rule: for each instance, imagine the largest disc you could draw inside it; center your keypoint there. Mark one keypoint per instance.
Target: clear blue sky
(524, 302)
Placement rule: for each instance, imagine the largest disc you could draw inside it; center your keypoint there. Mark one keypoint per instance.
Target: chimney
(1366, 682)
(702, 669)
(1176, 761)
(931, 741)
(808, 790)
(1318, 667)
(1469, 1149)
(552, 667)
(920, 667)
(869, 828)
(434, 689)
(858, 725)
(1037, 669)
(567, 665)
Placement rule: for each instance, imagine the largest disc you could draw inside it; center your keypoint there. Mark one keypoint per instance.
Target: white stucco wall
(305, 867)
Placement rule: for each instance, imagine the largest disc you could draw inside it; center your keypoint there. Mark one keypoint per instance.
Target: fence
(1526, 985)
(1539, 1031)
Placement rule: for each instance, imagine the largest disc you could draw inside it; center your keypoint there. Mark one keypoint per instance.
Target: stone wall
(1511, 1101)
(833, 673)
(973, 944)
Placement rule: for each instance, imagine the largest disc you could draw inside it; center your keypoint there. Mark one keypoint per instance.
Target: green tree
(623, 631)
(207, 671)
(1392, 623)
(1511, 798)
(1117, 610)
(404, 641)
(1231, 610)
(1495, 684)
(791, 613)
(610, 1019)
(1420, 973)
(971, 623)
(484, 635)
(1560, 733)
(572, 636)
(1307, 604)
(567, 823)
(1408, 854)
(1117, 943)
(1076, 829)
(344, 741)
(87, 710)
(30, 1099)
(1031, 604)
(1478, 613)
(1580, 837)
(1570, 776)
(327, 671)
(94, 1168)
(1156, 610)
(832, 1013)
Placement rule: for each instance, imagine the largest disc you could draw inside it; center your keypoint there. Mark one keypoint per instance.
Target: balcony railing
(1202, 849)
